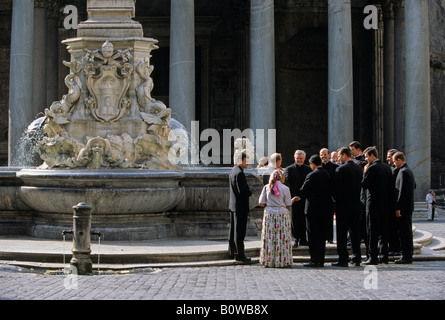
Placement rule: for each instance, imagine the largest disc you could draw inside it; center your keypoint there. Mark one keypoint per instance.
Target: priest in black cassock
(317, 190)
(295, 175)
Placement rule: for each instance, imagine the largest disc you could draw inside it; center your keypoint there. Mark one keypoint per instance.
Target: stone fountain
(108, 118)
(107, 143)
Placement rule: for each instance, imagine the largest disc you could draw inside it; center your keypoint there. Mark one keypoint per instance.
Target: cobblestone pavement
(423, 280)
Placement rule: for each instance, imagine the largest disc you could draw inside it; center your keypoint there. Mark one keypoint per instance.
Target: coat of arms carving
(108, 80)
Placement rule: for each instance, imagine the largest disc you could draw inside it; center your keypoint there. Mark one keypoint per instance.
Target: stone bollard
(81, 239)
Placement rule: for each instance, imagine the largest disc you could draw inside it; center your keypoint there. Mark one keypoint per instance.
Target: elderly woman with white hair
(276, 236)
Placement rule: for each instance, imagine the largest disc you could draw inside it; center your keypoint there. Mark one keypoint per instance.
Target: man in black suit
(346, 191)
(317, 190)
(377, 181)
(330, 168)
(358, 157)
(295, 175)
(404, 188)
(239, 207)
(393, 231)
(357, 153)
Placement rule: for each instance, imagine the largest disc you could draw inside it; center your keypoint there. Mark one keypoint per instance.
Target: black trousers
(405, 225)
(377, 231)
(393, 233)
(316, 230)
(330, 227)
(363, 224)
(299, 221)
(348, 222)
(237, 233)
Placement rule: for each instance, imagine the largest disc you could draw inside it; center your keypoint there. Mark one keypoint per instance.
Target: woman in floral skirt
(276, 249)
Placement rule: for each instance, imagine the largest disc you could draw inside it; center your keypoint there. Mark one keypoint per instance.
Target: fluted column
(340, 74)
(262, 74)
(182, 61)
(379, 83)
(399, 75)
(52, 53)
(21, 74)
(388, 16)
(40, 47)
(418, 108)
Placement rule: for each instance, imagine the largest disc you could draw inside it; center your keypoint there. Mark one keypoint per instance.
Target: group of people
(431, 205)
(372, 201)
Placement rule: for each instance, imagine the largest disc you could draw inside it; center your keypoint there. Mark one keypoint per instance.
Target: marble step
(428, 240)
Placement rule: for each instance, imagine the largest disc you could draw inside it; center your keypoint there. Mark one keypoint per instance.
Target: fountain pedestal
(108, 118)
(110, 19)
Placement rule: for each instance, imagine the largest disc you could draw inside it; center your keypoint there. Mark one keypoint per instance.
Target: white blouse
(272, 201)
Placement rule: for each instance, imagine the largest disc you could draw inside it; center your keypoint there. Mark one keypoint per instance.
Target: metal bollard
(81, 239)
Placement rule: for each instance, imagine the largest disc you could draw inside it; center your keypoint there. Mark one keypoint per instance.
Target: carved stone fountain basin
(107, 191)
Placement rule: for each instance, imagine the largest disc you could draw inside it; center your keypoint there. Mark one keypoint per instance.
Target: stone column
(399, 75)
(52, 54)
(379, 83)
(182, 62)
(340, 74)
(21, 74)
(418, 108)
(40, 47)
(262, 75)
(388, 16)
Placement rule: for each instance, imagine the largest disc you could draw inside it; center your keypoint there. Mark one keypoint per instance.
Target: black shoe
(295, 244)
(339, 264)
(355, 263)
(304, 243)
(370, 262)
(313, 265)
(383, 260)
(231, 250)
(243, 259)
(403, 261)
